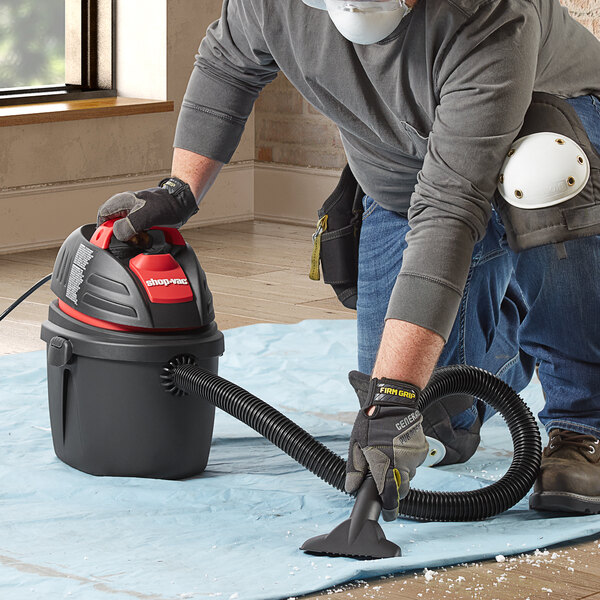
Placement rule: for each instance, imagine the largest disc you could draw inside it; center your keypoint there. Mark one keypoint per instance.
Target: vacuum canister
(124, 313)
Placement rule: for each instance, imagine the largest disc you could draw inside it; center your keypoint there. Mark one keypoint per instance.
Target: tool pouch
(335, 242)
(576, 218)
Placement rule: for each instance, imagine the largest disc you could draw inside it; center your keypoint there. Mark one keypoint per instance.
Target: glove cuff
(384, 391)
(182, 193)
(391, 392)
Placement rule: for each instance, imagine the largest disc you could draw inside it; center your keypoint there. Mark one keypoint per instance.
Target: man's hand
(387, 439)
(170, 205)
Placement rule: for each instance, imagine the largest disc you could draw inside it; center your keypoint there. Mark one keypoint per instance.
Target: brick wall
(290, 131)
(586, 12)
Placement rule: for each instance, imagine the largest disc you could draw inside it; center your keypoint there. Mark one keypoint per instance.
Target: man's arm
(198, 171)
(232, 66)
(407, 352)
(485, 89)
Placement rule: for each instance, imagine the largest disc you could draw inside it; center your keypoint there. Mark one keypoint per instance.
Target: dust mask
(363, 21)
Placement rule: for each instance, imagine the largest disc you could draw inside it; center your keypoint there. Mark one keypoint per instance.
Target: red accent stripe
(83, 318)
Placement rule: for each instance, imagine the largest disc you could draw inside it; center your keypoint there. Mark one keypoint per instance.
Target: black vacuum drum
(122, 315)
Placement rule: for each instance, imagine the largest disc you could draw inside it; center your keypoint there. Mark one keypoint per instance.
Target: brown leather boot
(569, 479)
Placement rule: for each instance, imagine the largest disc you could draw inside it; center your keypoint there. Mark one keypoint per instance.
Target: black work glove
(170, 204)
(460, 444)
(390, 443)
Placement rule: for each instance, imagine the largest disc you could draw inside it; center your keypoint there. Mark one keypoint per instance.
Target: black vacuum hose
(320, 460)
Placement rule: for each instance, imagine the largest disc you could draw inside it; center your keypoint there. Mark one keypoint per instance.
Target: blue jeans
(517, 309)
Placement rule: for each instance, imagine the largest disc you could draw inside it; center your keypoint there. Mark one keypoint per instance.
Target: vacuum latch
(60, 351)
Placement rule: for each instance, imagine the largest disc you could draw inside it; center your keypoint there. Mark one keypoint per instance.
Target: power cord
(26, 295)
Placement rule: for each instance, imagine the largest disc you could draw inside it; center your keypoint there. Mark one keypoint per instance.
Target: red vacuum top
(113, 285)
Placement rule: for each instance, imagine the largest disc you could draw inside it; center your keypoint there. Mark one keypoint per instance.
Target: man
(429, 96)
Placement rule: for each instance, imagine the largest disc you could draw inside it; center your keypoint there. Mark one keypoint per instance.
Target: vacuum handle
(368, 502)
(103, 235)
(367, 506)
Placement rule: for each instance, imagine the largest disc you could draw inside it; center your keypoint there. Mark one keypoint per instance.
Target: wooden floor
(258, 273)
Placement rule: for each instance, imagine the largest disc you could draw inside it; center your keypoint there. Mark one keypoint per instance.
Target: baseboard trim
(276, 218)
(291, 194)
(29, 215)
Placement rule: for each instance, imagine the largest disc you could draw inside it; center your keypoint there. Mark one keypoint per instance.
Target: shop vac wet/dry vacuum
(133, 349)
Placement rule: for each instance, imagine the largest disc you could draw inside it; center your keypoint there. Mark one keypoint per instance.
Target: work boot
(569, 479)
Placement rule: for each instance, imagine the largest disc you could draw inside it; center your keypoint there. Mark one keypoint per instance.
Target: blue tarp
(234, 532)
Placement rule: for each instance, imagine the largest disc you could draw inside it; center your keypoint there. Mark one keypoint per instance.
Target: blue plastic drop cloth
(234, 532)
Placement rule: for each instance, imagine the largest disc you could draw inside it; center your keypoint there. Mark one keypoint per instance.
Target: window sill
(74, 110)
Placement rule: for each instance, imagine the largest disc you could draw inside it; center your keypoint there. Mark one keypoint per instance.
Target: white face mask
(363, 21)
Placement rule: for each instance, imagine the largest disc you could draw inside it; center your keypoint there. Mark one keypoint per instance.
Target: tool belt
(337, 236)
(335, 242)
(575, 218)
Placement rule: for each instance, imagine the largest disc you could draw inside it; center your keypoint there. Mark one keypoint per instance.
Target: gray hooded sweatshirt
(426, 116)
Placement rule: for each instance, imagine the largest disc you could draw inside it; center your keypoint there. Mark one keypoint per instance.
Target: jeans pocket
(493, 244)
(369, 206)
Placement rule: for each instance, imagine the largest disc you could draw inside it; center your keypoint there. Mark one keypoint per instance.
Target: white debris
(429, 575)
(500, 558)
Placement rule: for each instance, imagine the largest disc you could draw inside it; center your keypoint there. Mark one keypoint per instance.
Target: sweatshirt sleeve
(485, 84)
(232, 66)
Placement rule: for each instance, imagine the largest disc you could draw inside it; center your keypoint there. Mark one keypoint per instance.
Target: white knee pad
(549, 187)
(543, 169)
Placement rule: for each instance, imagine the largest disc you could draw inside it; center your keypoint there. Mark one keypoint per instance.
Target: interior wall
(54, 176)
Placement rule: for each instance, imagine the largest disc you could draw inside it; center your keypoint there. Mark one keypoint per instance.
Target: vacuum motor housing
(123, 315)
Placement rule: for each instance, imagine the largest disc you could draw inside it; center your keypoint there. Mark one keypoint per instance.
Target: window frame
(90, 57)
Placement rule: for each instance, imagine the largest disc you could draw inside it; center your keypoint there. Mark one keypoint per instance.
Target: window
(53, 50)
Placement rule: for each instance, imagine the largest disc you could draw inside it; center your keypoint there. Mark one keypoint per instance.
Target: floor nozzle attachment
(360, 536)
